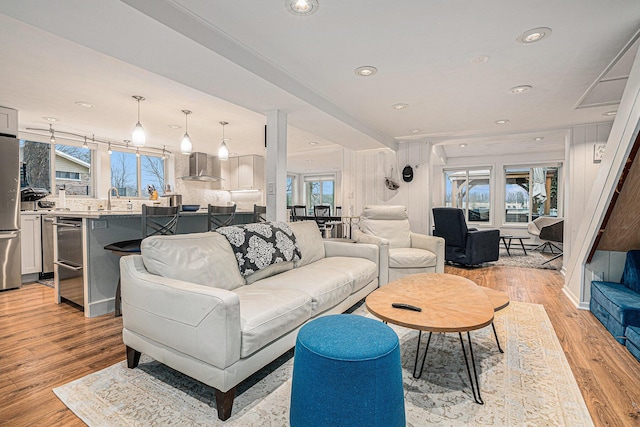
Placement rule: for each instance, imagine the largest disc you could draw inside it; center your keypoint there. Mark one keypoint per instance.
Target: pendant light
(186, 145)
(109, 150)
(223, 151)
(52, 139)
(84, 144)
(164, 153)
(138, 136)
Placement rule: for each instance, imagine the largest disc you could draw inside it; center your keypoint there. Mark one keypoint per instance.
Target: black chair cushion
(132, 246)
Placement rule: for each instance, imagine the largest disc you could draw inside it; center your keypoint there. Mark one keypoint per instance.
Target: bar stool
(220, 216)
(156, 220)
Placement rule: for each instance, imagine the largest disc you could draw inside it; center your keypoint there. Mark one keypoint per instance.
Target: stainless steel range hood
(198, 170)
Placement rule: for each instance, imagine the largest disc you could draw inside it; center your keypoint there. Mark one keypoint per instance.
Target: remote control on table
(405, 306)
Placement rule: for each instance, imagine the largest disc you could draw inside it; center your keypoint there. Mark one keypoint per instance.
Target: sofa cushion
(269, 271)
(326, 288)
(309, 241)
(360, 270)
(411, 258)
(259, 245)
(619, 301)
(387, 222)
(267, 313)
(195, 258)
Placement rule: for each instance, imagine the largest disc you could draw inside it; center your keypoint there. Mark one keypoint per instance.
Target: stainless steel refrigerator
(10, 268)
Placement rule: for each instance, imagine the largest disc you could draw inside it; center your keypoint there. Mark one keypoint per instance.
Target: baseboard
(99, 308)
(571, 296)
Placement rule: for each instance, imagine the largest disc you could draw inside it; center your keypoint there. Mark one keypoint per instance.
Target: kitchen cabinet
(246, 173)
(31, 243)
(8, 121)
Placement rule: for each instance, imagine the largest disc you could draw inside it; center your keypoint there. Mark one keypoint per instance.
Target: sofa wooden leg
(224, 403)
(133, 357)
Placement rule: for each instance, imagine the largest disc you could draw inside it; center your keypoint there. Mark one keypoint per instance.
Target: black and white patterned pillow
(259, 245)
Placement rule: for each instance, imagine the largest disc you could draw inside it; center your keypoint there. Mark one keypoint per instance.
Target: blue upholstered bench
(633, 341)
(617, 305)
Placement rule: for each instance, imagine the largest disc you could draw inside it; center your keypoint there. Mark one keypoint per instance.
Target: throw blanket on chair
(259, 245)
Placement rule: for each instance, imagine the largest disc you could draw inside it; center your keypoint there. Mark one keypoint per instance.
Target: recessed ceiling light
(533, 35)
(400, 106)
(415, 130)
(519, 89)
(175, 126)
(538, 138)
(463, 145)
(50, 119)
(313, 143)
(301, 7)
(480, 59)
(309, 161)
(84, 104)
(610, 113)
(366, 71)
(502, 121)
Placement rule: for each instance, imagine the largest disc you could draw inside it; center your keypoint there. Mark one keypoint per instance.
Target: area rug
(530, 384)
(533, 259)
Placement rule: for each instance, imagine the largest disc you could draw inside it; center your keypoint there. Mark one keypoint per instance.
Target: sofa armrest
(383, 247)
(430, 243)
(483, 246)
(200, 321)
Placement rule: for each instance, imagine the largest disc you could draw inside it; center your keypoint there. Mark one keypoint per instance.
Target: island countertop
(101, 214)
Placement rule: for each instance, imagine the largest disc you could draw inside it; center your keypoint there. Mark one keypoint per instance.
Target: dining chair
(259, 213)
(322, 214)
(299, 212)
(156, 220)
(220, 216)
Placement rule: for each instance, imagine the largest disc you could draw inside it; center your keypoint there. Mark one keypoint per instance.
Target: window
(134, 176)
(290, 181)
(68, 175)
(319, 190)
(71, 165)
(530, 192)
(35, 164)
(469, 190)
(73, 170)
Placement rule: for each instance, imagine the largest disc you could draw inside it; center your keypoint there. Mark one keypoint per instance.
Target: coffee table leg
(504, 242)
(424, 357)
(477, 398)
(522, 244)
(497, 340)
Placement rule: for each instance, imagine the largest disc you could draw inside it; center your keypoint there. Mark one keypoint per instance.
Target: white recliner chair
(402, 252)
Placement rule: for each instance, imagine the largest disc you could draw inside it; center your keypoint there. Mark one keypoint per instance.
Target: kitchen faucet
(109, 196)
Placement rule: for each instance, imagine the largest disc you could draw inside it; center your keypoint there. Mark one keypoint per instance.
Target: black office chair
(259, 213)
(299, 212)
(463, 245)
(156, 220)
(220, 216)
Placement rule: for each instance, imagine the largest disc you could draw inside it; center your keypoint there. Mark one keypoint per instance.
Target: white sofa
(402, 252)
(185, 304)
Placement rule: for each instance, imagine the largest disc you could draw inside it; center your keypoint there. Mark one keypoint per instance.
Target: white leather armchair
(402, 252)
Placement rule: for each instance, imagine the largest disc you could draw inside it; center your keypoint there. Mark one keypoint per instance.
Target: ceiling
(235, 61)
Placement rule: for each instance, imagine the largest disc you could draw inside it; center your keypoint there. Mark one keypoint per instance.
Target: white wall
(363, 181)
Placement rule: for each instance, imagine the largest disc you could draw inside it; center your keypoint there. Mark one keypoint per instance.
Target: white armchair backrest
(388, 222)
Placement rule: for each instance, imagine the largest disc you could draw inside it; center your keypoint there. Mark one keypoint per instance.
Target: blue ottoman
(347, 372)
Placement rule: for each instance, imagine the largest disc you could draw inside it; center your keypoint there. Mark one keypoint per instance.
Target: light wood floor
(44, 345)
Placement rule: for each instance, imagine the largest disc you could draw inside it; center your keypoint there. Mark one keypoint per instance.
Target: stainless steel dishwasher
(68, 267)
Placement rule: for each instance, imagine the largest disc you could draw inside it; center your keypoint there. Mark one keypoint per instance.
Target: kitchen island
(93, 272)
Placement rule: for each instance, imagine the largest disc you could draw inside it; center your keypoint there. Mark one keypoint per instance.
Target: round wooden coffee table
(449, 303)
